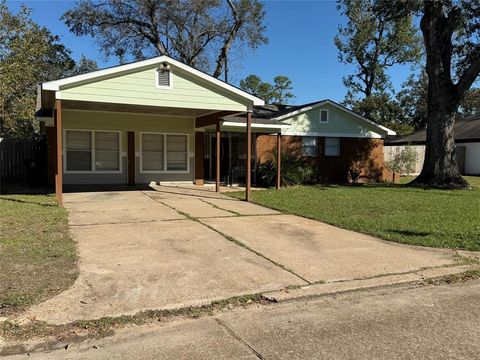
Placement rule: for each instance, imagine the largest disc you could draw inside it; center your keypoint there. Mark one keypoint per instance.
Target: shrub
(293, 170)
(403, 162)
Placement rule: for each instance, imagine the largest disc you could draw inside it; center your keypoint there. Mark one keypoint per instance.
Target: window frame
(339, 146)
(93, 169)
(165, 171)
(315, 146)
(320, 116)
(170, 80)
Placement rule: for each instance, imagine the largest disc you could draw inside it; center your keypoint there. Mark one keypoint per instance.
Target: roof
(275, 114)
(117, 70)
(466, 130)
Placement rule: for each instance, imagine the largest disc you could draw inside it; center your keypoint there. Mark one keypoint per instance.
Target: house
(467, 145)
(161, 120)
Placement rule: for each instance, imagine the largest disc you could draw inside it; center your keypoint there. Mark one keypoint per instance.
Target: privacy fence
(23, 161)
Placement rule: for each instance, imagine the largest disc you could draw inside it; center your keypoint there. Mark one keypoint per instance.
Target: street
(430, 322)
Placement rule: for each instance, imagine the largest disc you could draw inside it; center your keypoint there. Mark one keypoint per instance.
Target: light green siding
(138, 88)
(124, 122)
(340, 123)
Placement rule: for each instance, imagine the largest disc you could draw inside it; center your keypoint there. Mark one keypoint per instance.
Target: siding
(93, 120)
(138, 88)
(340, 124)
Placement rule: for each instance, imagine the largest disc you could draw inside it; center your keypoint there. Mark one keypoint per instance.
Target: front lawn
(37, 256)
(438, 218)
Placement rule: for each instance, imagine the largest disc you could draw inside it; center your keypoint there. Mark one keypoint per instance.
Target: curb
(339, 287)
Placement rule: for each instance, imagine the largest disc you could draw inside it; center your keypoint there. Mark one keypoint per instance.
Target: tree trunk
(440, 167)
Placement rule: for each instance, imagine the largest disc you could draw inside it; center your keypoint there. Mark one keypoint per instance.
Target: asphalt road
(441, 322)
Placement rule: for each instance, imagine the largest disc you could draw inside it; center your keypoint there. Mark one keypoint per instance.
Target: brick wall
(363, 154)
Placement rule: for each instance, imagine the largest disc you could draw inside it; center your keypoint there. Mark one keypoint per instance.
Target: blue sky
(300, 46)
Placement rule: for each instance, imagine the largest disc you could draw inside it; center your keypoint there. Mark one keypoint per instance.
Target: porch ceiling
(99, 106)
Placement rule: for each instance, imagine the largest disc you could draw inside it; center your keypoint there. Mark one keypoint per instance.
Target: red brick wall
(363, 154)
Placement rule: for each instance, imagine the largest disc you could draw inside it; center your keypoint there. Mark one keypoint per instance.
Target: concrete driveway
(173, 247)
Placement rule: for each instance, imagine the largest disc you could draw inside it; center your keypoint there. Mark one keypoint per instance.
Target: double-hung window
(309, 146)
(164, 152)
(92, 151)
(332, 146)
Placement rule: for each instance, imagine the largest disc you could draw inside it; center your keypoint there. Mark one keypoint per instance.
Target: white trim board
(329, 102)
(372, 135)
(255, 125)
(120, 69)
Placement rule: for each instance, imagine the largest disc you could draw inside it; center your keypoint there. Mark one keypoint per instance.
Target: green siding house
(159, 120)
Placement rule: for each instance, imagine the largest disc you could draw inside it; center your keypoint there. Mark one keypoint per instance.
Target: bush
(293, 170)
(403, 162)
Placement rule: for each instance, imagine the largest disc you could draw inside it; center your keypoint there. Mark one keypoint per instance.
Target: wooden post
(279, 160)
(59, 148)
(249, 155)
(131, 157)
(217, 158)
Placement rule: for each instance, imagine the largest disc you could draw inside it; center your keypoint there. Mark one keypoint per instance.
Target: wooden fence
(389, 153)
(23, 161)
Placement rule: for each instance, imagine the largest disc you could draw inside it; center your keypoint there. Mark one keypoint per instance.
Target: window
(324, 116)
(164, 152)
(177, 155)
(163, 78)
(79, 150)
(309, 146)
(332, 146)
(152, 152)
(92, 151)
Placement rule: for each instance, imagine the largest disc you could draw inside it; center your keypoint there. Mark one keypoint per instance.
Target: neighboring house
(154, 120)
(467, 145)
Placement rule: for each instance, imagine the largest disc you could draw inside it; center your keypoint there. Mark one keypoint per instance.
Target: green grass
(37, 255)
(436, 218)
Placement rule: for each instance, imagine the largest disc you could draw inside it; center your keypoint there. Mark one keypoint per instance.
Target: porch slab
(320, 252)
(127, 268)
(156, 213)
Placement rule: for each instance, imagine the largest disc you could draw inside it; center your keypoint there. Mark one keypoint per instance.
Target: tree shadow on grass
(410, 233)
(27, 202)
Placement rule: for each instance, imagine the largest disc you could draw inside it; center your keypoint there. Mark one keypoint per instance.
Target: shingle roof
(466, 129)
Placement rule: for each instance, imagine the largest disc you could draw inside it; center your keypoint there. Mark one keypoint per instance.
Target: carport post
(279, 160)
(59, 167)
(249, 155)
(217, 158)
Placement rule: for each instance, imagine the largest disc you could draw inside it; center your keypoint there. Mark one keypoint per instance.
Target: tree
(29, 54)
(451, 33)
(84, 65)
(412, 100)
(282, 87)
(471, 103)
(379, 34)
(200, 33)
(278, 93)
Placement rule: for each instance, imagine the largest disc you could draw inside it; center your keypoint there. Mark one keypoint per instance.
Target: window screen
(332, 146)
(177, 153)
(107, 151)
(79, 150)
(309, 146)
(153, 152)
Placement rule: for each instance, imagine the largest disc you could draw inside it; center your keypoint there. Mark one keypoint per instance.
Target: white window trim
(141, 171)
(316, 146)
(320, 116)
(170, 80)
(92, 149)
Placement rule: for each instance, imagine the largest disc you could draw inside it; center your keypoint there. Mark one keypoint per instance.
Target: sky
(300, 46)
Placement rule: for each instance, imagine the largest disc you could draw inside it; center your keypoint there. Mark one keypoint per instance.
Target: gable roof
(275, 114)
(56, 85)
(466, 129)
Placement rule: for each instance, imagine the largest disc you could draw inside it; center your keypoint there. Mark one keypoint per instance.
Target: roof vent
(163, 75)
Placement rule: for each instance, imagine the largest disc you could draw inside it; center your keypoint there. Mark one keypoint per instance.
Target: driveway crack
(239, 339)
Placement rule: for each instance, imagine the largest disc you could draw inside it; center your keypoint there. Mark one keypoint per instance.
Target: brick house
(325, 133)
